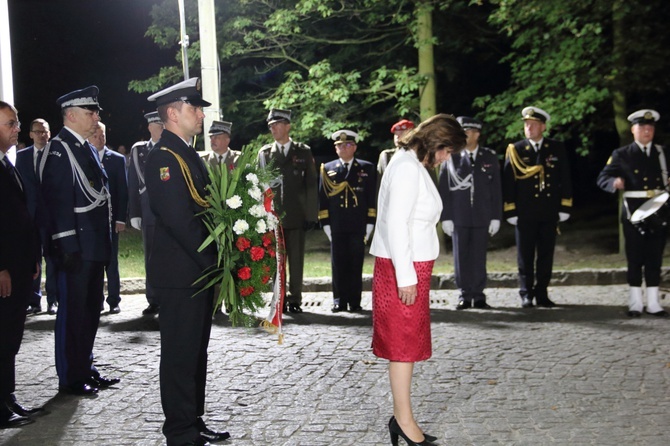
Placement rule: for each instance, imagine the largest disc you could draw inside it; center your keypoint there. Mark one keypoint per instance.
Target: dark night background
(61, 46)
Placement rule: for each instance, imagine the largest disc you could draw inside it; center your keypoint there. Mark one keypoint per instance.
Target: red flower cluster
(257, 253)
(244, 273)
(246, 291)
(243, 243)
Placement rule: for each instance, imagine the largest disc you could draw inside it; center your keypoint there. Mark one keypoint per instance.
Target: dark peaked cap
(85, 98)
(186, 91)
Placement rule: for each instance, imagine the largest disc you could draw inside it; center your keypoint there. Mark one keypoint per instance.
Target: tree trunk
(618, 94)
(424, 14)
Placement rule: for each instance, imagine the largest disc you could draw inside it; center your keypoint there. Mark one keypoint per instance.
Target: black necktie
(220, 159)
(39, 160)
(472, 159)
(12, 172)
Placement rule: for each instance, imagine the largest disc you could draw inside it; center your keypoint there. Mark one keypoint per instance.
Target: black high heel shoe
(428, 437)
(396, 431)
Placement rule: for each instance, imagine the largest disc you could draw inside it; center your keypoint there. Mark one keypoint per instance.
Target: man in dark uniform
(19, 266)
(295, 196)
(640, 170)
(219, 138)
(76, 194)
(347, 212)
(139, 210)
(176, 178)
(115, 167)
(471, 211)
(27, 161)
(537, 194)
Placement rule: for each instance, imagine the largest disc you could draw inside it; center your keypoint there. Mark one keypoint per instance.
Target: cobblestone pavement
(580, 374)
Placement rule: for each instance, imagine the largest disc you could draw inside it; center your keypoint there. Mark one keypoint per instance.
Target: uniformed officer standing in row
(398, 130)
(347, 212)
(295, 198)
(471, 211)
(176, 179)
(76, 194)
(537, 194)
(640, 170)
(141, 217)
(219, 137)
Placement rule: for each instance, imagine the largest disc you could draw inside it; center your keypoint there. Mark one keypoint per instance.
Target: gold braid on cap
(189, 180)
(332, 188)
(522, 170)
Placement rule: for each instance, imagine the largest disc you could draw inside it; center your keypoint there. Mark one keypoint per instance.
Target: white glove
(494, 227)
(512, 220)
(368, 230)
(448, 227)
(562, 216)
(326, 229)
(136, 222)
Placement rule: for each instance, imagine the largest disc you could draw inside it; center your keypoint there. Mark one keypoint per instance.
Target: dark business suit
(640, 173)
(19, 254)
(80, 240)
(471, 210)
(295, 201)
(138, 205)
(115, 166)
(537, 203)
(25, 164)
(348, 213)
(174, 265)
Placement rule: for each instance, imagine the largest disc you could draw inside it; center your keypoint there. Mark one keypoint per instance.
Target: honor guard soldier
(295, 197)
(219, 137)
(537, 194)
(76, 193)
(139, 210)
(640, 170)
(347, 212)
(176, 179)
(471, 195)
(398, 130)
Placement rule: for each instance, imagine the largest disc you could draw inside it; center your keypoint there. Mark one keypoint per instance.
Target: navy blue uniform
(348, 212)
(536, 201)
(80, 240)
(174, 265)
(115, 166)
(471, 209)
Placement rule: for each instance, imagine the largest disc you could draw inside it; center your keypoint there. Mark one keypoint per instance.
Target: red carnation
(243, 243)
(244, 273)
(271, 252)
(265, 279)
(257, 253)
(267, 239)
(246, 291)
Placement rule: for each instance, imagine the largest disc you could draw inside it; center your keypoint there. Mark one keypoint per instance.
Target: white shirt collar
(76, 135)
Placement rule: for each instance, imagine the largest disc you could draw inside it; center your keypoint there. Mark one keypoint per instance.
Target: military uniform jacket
(542, 195)
(174, 261)
(212, 158)
(384, 159)
(79, 208)
(347, 201)
(296, 197)
(115, 166)
(639, 172)
(26, 166)
(478, 204)
(138, 199)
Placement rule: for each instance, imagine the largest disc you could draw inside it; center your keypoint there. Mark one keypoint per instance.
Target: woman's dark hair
(435, 133)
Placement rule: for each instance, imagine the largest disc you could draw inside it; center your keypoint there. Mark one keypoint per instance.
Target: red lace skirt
(400, 332)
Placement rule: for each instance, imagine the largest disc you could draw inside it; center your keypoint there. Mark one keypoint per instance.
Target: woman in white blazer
(406, 245)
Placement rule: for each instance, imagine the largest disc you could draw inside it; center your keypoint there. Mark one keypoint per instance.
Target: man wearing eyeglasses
(27, 161)
(295, 197)
(347, 212)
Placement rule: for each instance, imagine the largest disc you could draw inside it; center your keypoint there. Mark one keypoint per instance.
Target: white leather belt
(642, 193)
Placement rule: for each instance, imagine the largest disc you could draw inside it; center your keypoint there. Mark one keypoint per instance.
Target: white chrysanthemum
(272, 222)
(255, 193)
(240, 227)
(261, 227)
(252, 178)
(234, 202)
(257, 210)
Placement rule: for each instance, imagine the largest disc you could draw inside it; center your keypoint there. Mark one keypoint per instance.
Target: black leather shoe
(20, 409)
(356, 309)
(526, 302)
(151, 309)
(210, 435)
(294, 308)
(337, 309)
(545, 303)
(115, 310)
(481, 304)
(103, 383)
(10, 419)
(52, 309)
(661, 313)
(633, 313)
(81, 389)
(33, 309)
(463, 304)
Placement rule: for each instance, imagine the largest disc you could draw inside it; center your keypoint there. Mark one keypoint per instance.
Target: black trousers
(185, 325)
(147, 242)
(535, 243)
(12, 320)
(80, 296)
(347, 253)
(470, 245)
(295, 254)
(112, 272)
(643, 251)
